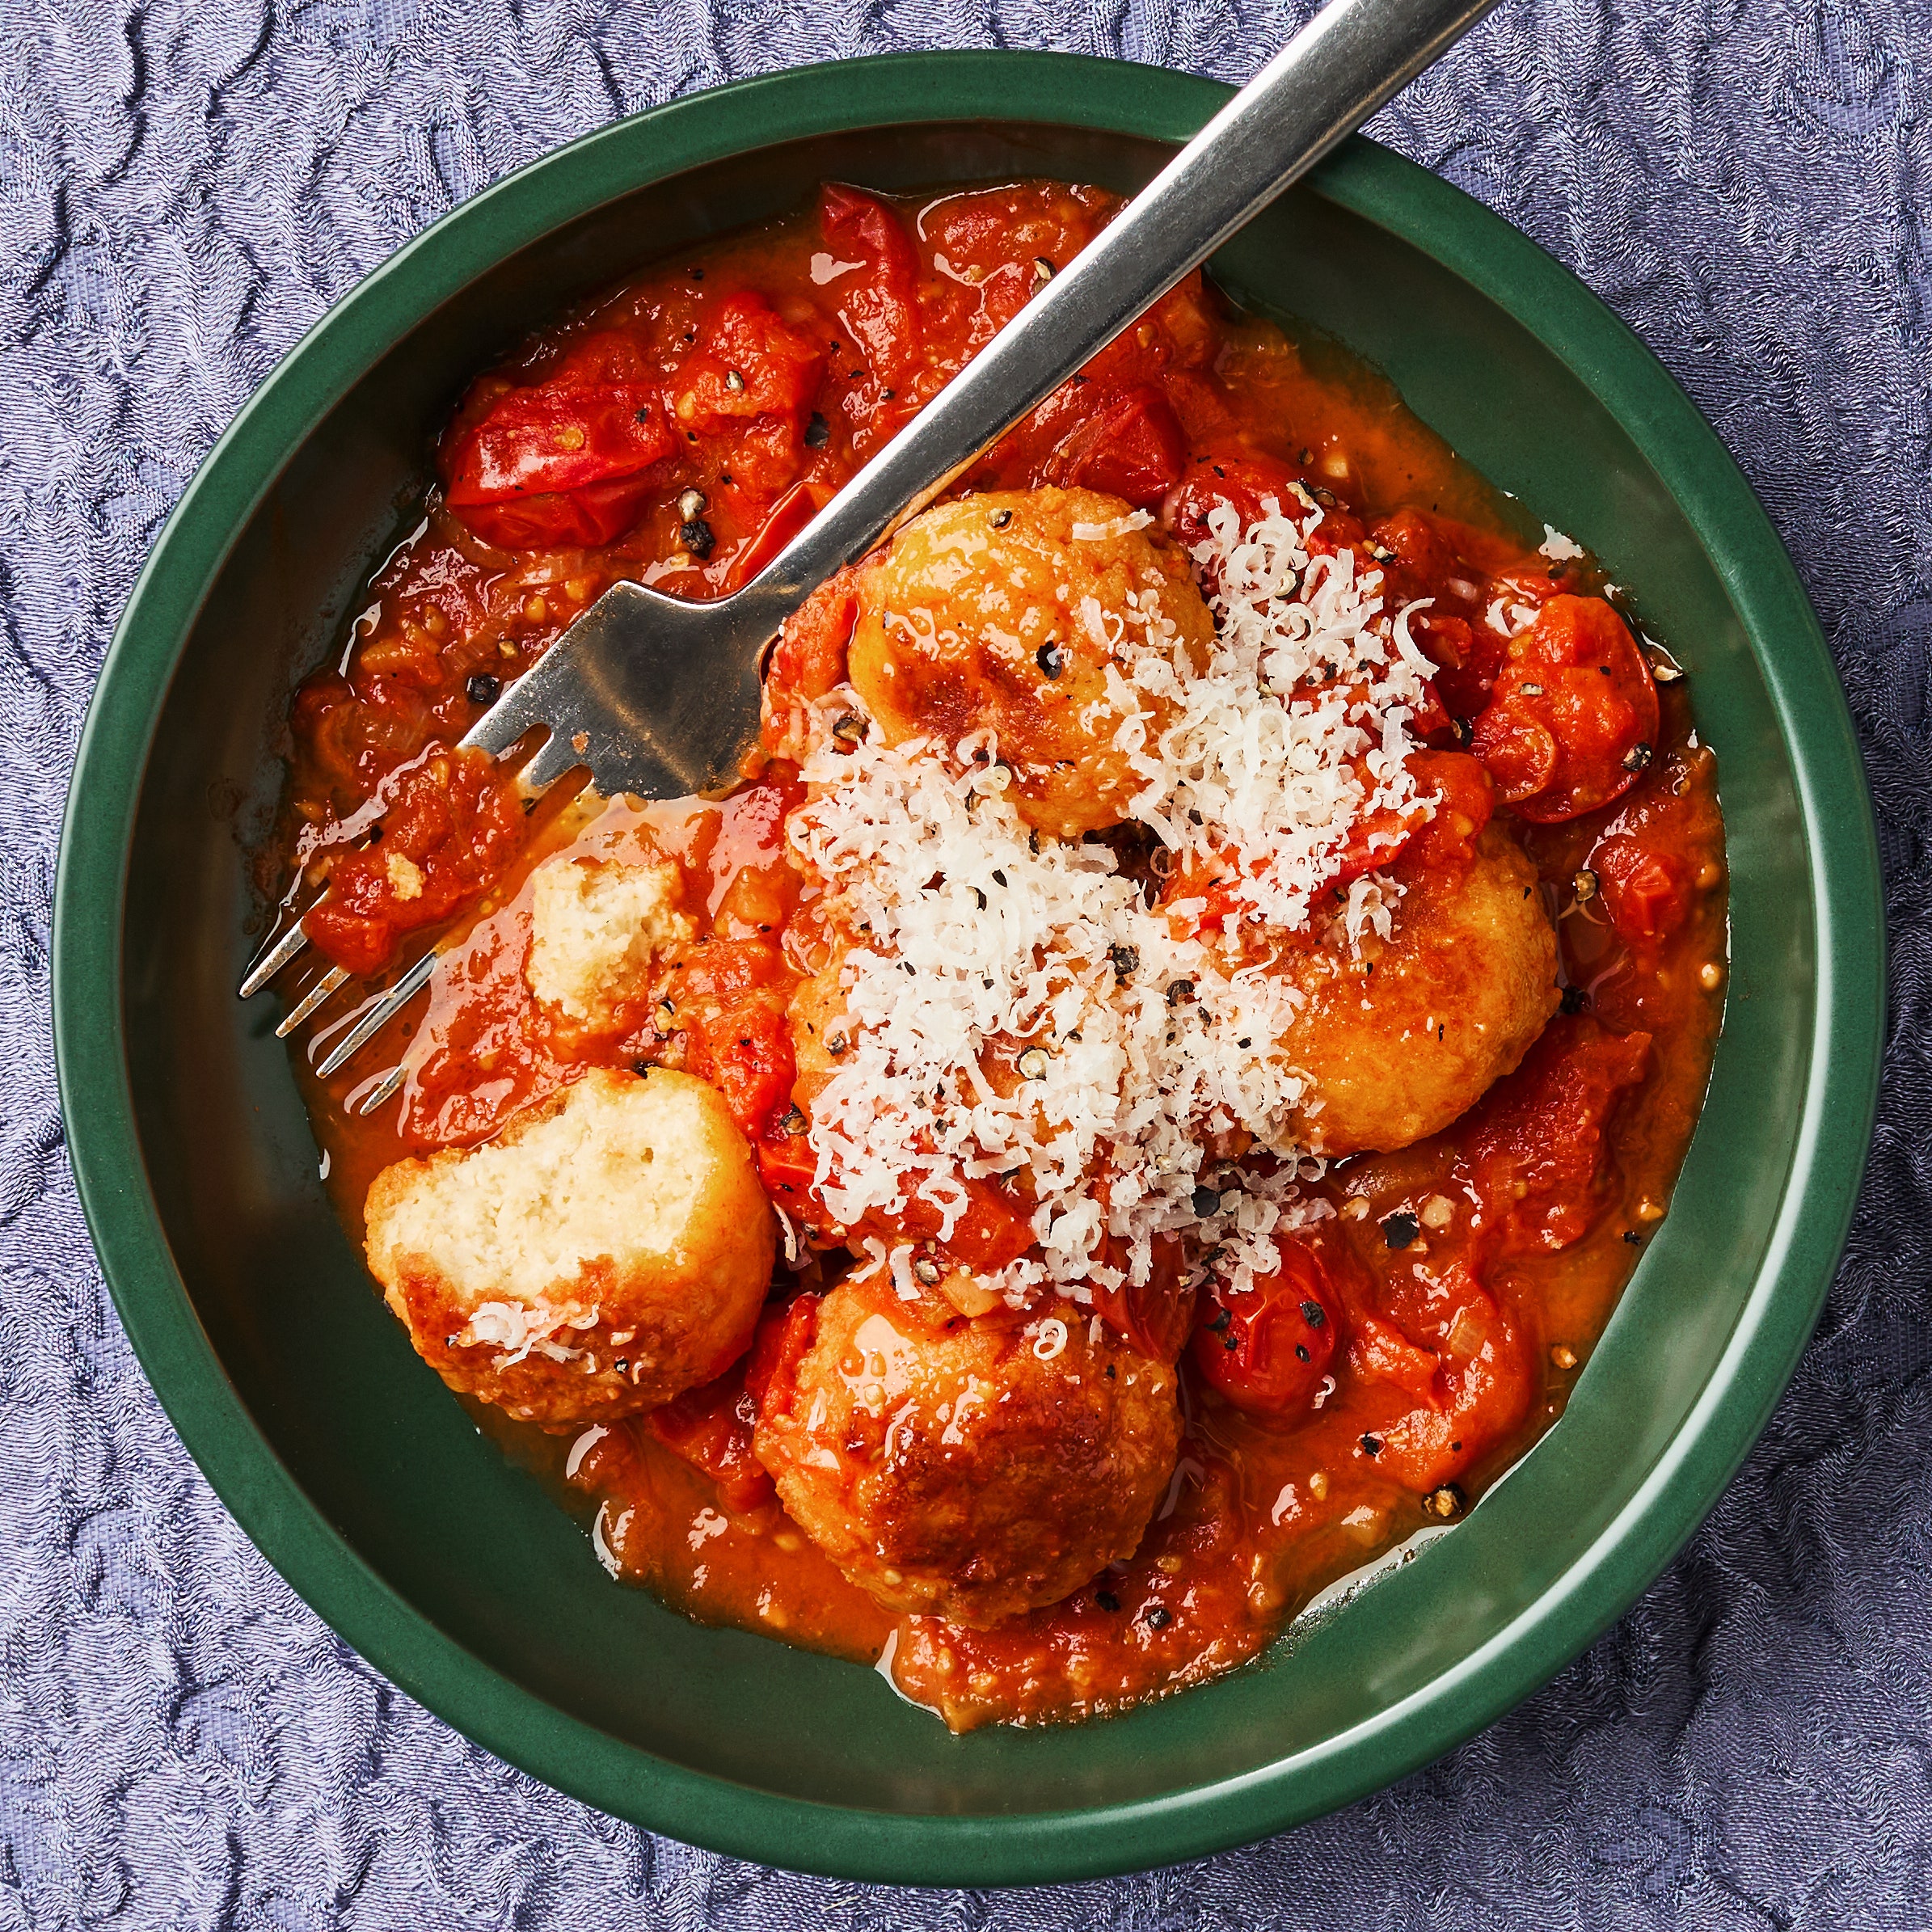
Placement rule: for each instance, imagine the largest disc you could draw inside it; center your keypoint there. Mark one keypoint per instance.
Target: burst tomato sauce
(676, 432)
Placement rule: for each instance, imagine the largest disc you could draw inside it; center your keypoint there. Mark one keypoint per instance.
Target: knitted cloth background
(184, 189)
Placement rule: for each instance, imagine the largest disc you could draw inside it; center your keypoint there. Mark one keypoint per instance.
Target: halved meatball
(609, 1250)
(970, 1468)
(1405, 1038)
(1001, 613)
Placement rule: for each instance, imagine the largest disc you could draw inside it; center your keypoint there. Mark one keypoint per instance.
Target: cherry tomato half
(563, 462)
(1267, 1350)
(1157, 1316)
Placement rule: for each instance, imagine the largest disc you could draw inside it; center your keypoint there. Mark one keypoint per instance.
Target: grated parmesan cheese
(971, 954)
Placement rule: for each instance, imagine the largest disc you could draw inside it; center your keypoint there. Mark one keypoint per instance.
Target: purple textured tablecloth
(184, 189)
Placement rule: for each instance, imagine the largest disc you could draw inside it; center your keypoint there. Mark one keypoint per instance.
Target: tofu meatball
(973, 1468)
(1400, 1041)
(992, 614)
(609, 1250)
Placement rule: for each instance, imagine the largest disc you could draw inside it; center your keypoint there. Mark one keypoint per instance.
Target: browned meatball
(1400, 1041)
(973, 1469)
(993, 614)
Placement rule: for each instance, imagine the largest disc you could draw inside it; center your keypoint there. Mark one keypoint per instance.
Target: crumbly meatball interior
(1404, 1037)
(986, 615)
(609, 1250)
(595, 928)
(969, 1468)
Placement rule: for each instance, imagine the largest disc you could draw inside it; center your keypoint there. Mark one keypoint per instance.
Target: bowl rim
(189, 1378)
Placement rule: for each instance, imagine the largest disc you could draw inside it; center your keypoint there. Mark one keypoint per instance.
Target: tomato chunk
(1134, 448)
(710, 1428)
(450, 824)
(1536, 1143)
(1481, 1390)
(876, 275)
(1267, 1350)
(729, 997)
(995, 1228)
(563, 461)
(750, 363)
(1647, 890)
(788, 1171)
(1463, 800)
(1573, 717)
(1244, 484)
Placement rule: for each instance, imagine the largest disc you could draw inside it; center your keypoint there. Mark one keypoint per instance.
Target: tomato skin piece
(788, 516)
(1646, 891)
(779, 1346)
(788, 1171)
(1267, 1351)
(877, 303)
(1132, 448)
(711, 1427)
(556, 437)
(569, 520)
(810, 657)
(785, 1331)
(1544, 1129)
(1573, 717)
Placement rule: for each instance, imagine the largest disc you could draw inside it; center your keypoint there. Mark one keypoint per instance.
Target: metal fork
(660, 698)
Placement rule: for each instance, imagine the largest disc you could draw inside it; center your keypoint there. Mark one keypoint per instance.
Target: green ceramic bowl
(367, 1485)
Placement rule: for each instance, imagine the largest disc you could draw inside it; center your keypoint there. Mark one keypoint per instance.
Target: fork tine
(378, 1015)
(310, 1000)
(273, 958)
(385, 1089)
(554, 757)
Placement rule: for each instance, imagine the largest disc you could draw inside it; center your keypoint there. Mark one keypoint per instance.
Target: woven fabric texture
(184, 189)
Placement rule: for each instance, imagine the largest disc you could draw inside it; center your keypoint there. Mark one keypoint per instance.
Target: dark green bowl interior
(455, 1572)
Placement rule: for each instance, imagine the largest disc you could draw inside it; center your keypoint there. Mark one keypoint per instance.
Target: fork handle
(1348, 60)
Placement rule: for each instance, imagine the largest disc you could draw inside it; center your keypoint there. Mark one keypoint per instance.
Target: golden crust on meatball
(970, 1469)
(992, 614)
(609, 1250)
(1405, 1038)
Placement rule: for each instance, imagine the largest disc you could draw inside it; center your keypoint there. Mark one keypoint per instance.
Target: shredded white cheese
(1014, 1007)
